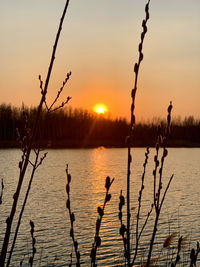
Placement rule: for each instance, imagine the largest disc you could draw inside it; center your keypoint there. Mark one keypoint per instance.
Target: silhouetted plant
(100, 210)
(123, 229)
(27, 144)
(180, 240)
(158, 199)
(72, 220)
(194, 255)
(137, 233)
(35, 166)
(27, 138)
(2, 188)
(97, 239)
(132, 123)
(31, 259)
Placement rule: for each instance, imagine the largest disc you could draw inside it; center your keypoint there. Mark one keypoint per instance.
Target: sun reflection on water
(98, 162)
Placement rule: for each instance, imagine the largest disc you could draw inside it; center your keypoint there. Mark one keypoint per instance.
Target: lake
(89, 167)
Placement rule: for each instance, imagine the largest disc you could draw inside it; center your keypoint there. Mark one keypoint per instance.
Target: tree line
(81, 128)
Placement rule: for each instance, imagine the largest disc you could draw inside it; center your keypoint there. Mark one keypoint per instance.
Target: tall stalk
(158, 199)
(35, 166)
(132, 123)
(25, 160)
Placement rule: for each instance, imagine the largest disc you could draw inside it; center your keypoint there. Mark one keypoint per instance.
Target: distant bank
(78, 128)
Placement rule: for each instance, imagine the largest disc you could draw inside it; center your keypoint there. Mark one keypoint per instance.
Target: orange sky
(99, 45)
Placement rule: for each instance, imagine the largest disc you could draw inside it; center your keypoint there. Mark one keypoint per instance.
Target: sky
(98, 45)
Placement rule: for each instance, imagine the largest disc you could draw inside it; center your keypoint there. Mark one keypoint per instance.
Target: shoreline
(104, 144)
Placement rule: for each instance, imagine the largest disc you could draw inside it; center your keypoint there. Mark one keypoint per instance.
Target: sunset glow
(101, 55)
(100, 108)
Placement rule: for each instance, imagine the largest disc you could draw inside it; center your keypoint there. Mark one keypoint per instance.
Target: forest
(78, 128)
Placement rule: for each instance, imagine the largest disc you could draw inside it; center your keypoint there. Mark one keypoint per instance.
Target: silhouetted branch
(132, 123)
(145, 222)
(166, 189)
(137, 235)
(194, 255)
(180, 240)
(61, 105)
(41, 160)
(42, 90)
(97, 239)
(72, 219)
(35, 165)
(31, 259)
(59, 92)
(2, 188)
(157, 195)
(28, 146)
(123, 229)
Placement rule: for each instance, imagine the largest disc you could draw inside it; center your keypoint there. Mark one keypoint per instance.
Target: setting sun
(100, 108)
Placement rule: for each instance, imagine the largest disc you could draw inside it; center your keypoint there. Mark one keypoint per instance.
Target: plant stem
(22, 210)
(132, 123)
(30, 145)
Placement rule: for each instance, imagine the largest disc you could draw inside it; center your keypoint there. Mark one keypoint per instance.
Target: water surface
(89, 167)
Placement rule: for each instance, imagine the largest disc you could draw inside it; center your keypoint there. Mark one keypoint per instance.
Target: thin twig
(173, 264)
(41, 160)
(166, 189)
(60, 91)
(42, 90)
(61, 105)
(145, 222)
(2, 188)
